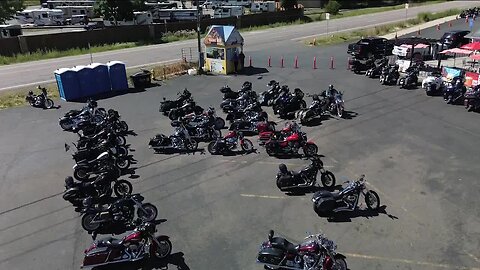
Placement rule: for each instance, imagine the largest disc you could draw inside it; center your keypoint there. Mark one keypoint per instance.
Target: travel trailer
(40, 17)
(263, 6)
(161, 15)
(140, 18)
(229, 11)
(60, 3)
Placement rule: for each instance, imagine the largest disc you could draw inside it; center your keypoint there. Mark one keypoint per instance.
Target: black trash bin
(142, 79)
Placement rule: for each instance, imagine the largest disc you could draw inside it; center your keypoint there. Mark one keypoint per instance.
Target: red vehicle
(290, 145)
(266, 135)
(138, 245)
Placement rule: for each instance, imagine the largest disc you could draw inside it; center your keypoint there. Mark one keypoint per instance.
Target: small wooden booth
(223, 48)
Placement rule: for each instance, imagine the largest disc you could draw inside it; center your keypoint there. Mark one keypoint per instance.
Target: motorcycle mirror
(164, 98)
(270, 235)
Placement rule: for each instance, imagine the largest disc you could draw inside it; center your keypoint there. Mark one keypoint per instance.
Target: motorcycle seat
(283, 244)
(109, 242)
(72, 112)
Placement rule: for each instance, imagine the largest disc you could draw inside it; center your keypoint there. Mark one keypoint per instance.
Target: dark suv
(371, 47)
(453, 39)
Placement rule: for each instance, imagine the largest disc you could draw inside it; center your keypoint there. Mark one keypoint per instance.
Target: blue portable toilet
(118, 75)
(86, 81)
(67, 83)
(101, 77)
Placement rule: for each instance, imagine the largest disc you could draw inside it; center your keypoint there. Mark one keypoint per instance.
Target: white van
(41, 16)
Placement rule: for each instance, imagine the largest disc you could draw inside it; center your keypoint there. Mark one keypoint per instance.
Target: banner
(450, 73)
(471, 79)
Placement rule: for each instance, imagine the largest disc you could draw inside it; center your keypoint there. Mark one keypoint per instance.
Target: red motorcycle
(266, 135)
(290, 145)
(138, 245)
(229, 143)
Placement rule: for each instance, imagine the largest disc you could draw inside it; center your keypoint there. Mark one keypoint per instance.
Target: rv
(70, 11)
(42, 16)
(140, 18)
(231, 11)
(161, 15)
(223, 3)
(263, 6)
(7, 31)
(61, 3)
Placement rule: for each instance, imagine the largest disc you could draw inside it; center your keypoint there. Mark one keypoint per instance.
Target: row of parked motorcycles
(101, 158)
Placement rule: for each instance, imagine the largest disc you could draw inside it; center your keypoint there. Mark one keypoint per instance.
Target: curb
(415, 28)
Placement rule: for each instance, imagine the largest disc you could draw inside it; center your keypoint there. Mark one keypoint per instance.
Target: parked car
(371, 47)
(453, 39)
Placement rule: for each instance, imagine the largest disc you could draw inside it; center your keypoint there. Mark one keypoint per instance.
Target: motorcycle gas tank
(308, 247)
(133, 237)
(293, 137)
(231, 134)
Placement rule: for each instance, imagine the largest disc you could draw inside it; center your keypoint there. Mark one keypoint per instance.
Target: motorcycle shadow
(305, 191)
(175, 259)
(181, 152)
(238, 153)
(349, 114)
(130, 132)
(347, 216)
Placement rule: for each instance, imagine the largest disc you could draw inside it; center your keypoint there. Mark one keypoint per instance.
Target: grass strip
(380, 30)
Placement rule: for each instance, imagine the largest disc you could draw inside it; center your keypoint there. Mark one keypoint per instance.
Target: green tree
(115, 10)
(289, 4)
(332, 7)
(8, 8)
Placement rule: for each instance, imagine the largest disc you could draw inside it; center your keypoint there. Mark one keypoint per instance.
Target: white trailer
(228, 11)
(214, 4)
(161, 15)
(41, 16)
(139, 18)
(257, 7)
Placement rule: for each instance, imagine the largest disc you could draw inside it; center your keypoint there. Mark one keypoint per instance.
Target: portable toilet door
(100, 77)
(67, 82)
(118, 75)
(86, 81)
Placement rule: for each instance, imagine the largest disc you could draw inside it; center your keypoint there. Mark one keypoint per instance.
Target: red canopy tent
(474, 46)
(475, 56)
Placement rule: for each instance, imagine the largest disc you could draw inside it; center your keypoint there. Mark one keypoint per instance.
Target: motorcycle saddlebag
(96, 256)
(270, 256)
(325, 200)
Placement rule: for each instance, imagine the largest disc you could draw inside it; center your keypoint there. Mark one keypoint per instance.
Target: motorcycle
(90, 113)
(410, 80)
(167, 105)
(454, 92)
(472, 99)
(106, 132)
(230, 142)
(121, 211)
(389, 75)
(288, 104)
(203, 132)
(41, 100)
(187, 108)
(268, 97)
(137, 245)
(306, 178)
(228, 93)
(433, 84)
(315, 110)
(193, 119)
(290, 145)
(251, 111)
(255, 124)
(336, 107)
(358, 66)
(179, 141)
(288, 130)
(326, 202)
(376, 71)
(103, 163)
(316, 253)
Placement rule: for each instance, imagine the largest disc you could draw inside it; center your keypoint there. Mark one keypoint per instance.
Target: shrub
(332, 7)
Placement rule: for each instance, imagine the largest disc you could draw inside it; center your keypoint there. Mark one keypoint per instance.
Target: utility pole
(200, 57)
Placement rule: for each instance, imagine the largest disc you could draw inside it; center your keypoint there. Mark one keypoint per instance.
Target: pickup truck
(371, 47)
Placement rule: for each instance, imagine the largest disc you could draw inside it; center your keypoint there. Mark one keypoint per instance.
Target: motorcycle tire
(219, 123)
(372, 200)
(48, 104)
(123, 126)
(340, 111)
(310, 150)
(469, 108)
(121, 140)
(211, 148)
(191, 145)
(166, 248)
(122, 188)
(303, 104)
(382, 80)
(122, 163)
(328, 179)
(247, 146)
(66, 124)
(148, 212)
(340, 263)
(87, 223)
(449, 99)
(172, 115)
(279, 183)
(81, 174)
(269, 150)
(122, 151)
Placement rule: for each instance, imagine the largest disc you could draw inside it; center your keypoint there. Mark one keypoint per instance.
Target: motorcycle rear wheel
(219, 123)
(87, 223)
(165, 249)
(122, 188)
(148, 213)
(66, 124)
(121, 140)
(247, 145)
(372, 200)
(48, 104)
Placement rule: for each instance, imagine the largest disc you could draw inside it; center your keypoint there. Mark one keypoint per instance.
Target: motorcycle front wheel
(372, 200)
(211, 148)
(48, 104)
(66, 124)
(123, 126)
(340, 111)
(328, 179)
(122, 163)
(191, 145)
(121, 140)
(310, 150)
(219, 123)
(88, 223)
(172, 115)
(164, 249)
(247, 145)
(122, 188)
(148, 212)
(340, 264)
(81, 174)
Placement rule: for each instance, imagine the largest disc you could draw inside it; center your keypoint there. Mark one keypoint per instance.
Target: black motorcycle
(121, 211)
(41, 100)
(203, 131)
(90, 113)
(376, 71)
(472, 99)
(187, 108)
(410, 80)
(454, 92)
(179, 141)
(306, 178)
(105, 162)
(288, 104)
(315, 110)
(268, 97)
(326, 202)
(210, 116)
(316, 252)
(358, 66)
(167, 105)
(389, 75)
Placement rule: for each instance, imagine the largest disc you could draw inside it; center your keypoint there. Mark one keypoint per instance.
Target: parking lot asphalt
(417, 152)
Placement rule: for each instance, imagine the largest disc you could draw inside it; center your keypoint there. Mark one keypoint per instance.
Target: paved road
(42, 71)
(417, 152)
